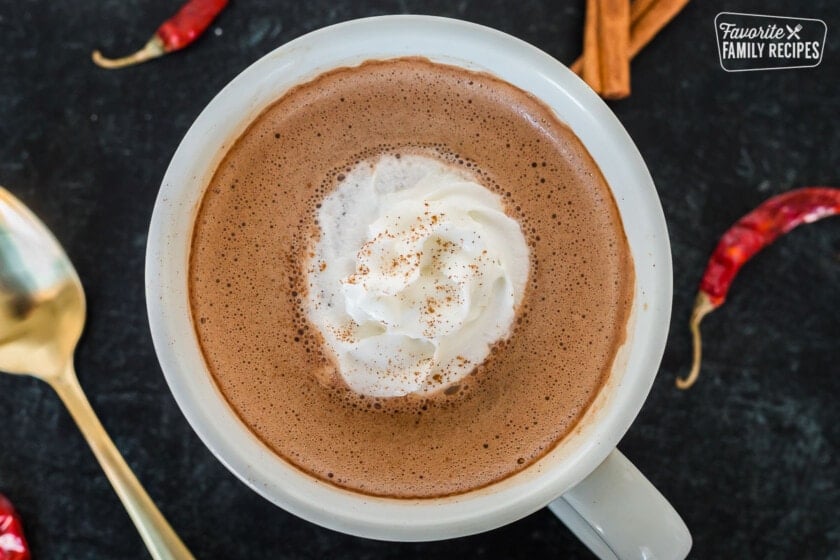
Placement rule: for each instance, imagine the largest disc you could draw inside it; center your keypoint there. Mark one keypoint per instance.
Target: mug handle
(619, 515)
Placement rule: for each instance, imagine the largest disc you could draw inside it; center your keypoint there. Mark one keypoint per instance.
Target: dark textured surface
(749, 456)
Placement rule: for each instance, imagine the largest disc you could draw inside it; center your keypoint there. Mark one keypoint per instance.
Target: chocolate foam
(255, 230)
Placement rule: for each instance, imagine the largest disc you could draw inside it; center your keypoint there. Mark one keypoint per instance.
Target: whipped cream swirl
(417, 272)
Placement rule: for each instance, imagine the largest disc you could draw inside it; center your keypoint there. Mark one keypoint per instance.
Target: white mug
(592, 487)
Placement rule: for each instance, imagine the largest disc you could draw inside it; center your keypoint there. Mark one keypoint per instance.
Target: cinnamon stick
(647, 18)
(651, 22)
(590, 69)
(614, 47)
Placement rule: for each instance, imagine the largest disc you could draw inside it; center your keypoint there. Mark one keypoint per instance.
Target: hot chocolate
(409, 279)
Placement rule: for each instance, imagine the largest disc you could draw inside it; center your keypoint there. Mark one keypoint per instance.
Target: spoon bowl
(42, 315)
(42, 303)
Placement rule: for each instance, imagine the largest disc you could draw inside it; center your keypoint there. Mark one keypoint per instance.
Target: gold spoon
(42, 313)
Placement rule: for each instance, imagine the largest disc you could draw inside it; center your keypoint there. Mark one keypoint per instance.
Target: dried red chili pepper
(12, 542)
(174, 34)
(750, 234)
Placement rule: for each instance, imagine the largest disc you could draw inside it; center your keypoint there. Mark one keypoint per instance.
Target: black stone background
(749, 457)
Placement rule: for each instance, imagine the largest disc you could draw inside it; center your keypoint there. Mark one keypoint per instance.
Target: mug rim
(282, 483)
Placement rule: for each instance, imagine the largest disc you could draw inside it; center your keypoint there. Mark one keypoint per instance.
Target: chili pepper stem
(702, 306)
(153, 49)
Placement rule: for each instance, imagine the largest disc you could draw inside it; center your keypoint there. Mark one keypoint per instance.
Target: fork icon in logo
(793, 32)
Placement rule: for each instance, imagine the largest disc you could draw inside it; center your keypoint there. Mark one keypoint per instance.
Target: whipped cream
(417, 272)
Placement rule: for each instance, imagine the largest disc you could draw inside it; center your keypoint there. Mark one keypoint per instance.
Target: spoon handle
(160, 539)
